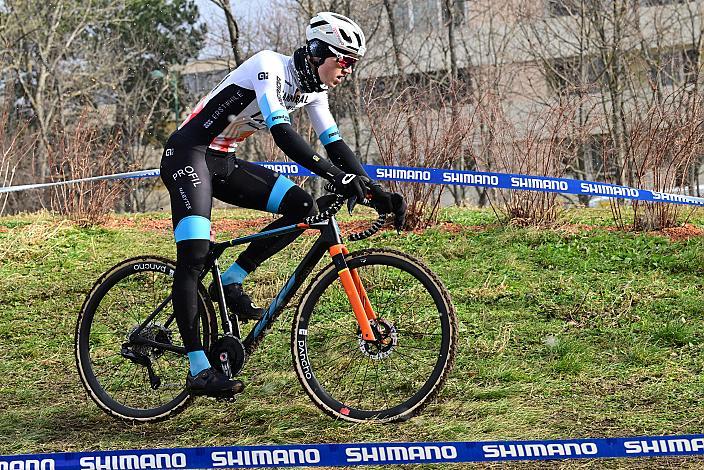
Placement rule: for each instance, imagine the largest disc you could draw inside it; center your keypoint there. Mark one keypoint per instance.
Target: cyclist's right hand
(399, 209)
(349, 185)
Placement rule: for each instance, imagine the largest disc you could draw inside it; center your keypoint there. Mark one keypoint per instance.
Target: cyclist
(198, 163)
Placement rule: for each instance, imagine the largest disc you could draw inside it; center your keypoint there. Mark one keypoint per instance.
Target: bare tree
(671, 43)
(92, 63)
(232, 29)
(44, 45)
(14, 149)
(559, 41)
(438, 139)
(485, 50)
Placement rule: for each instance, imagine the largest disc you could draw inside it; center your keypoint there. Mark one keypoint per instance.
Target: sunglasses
(344, 61)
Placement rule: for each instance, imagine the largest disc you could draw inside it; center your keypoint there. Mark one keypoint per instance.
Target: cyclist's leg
(256, 187)
(186, 176)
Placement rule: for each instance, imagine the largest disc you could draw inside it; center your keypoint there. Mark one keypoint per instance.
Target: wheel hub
(384, 346)
(154, 332)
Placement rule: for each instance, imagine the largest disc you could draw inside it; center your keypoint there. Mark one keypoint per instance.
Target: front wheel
(387, 380)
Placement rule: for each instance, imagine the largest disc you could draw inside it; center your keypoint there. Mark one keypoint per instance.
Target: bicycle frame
(330, 241)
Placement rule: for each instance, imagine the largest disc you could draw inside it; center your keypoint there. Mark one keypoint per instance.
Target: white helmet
(339, 32)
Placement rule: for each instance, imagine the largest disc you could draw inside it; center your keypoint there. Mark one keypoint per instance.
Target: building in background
(608, 62)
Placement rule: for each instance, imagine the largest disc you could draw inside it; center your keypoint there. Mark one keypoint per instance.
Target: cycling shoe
(238, 302)
(213, 383)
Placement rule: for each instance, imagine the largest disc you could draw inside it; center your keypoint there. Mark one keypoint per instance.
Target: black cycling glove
(349, 185)
(399, 205)
(386, 202)
(381, 200)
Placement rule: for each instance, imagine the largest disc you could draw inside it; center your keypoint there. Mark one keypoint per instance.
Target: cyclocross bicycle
(373, 337)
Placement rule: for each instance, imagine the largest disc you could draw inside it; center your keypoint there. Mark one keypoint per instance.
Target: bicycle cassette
(227, 354)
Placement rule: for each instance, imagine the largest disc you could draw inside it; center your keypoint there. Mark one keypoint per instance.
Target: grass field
(564, 333)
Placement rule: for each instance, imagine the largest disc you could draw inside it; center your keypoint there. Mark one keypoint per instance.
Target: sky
(245, 8)
(242, 9)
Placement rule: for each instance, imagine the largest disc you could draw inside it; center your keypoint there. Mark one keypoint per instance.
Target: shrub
(84, 152)
(414, 131)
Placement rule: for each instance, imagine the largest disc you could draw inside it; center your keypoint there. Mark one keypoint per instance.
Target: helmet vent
(359, 39)
(342, 18)
(336, 31)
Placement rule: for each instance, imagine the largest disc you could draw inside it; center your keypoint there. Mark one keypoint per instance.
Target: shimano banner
(359, 454)
(454, 177)
(117, 176)
(504, 181)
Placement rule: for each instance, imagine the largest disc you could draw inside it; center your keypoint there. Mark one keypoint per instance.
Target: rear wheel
(386, 380)
(126, 378)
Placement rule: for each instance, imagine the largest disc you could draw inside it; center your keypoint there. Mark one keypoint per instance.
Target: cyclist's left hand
(399, 205)
(381, 200)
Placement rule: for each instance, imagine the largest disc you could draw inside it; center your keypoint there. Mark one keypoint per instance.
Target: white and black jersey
(258, 94)
(198, 164)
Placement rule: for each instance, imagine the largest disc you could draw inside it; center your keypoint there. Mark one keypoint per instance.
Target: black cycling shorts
(195, 174)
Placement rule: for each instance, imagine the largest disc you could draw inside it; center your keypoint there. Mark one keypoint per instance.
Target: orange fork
(355, 291)
(360, 289)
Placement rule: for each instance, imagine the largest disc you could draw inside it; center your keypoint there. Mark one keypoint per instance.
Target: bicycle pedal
(228, 397)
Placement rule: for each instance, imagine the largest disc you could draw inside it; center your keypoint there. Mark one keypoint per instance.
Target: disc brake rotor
(382, 348)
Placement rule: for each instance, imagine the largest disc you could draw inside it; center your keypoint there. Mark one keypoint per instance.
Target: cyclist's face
(331, 72)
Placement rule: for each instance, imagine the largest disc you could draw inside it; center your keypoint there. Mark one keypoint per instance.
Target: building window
(676, 68)
(600, 158)
(403, 14)
(458, 10)
(563, 7)
(565, 74)
(413, 14)
(436, 86)
(654, 3)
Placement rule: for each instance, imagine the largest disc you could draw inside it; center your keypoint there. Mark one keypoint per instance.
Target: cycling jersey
(258, 94)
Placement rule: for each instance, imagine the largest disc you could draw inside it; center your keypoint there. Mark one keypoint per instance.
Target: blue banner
(504, 181)
(453, 177)
(333, 455)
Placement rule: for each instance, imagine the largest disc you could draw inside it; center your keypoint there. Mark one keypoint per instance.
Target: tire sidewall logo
(150, 266)
(302, 354)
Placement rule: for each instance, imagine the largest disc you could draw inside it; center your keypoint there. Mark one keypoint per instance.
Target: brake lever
(398, 225)
(351, 203)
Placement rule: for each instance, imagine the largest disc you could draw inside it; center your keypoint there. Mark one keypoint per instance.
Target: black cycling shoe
(213, 383)
(238, 302)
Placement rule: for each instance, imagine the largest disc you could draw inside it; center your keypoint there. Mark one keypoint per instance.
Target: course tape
(117, 176)
(505, 181)
(332, 455)
(453, 177)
